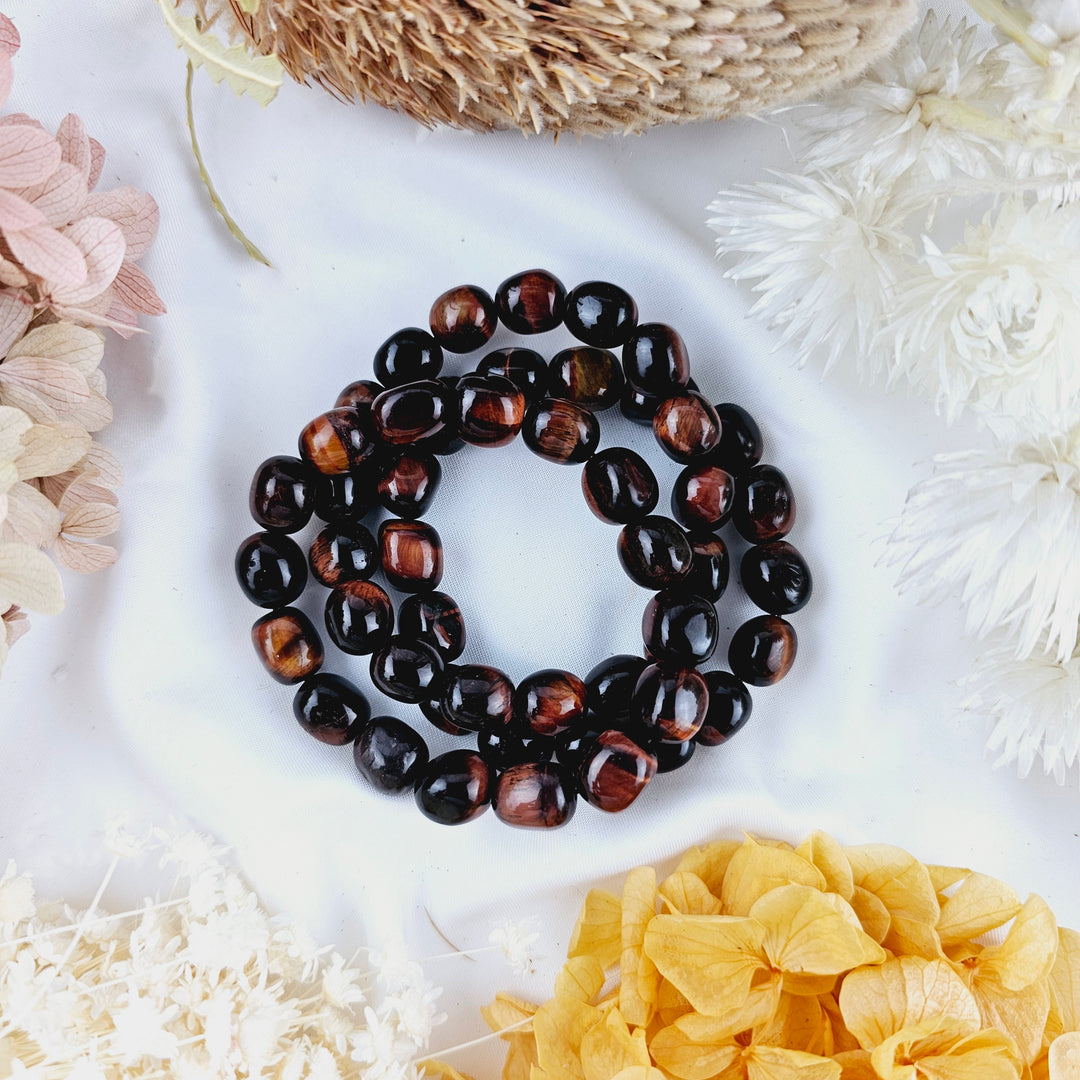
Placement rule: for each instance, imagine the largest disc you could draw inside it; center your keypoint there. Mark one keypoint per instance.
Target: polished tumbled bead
(560, 431)
(762, 650)
(338, 441)
(525, 368)
(282, 495)
(389, 754)
(614, 771)
(531, 302)
(411, 554)
(435, 618)
(618, 485)
(454, 788)
(359, 617)
(655, 359)
(764, 506)
(702, 497)
(407, 483)
(407, 356)
(271, 569)
(670, 700)
(535, 795)
(477, 696)
(741, 444)
(343, 552)
(610, 685)
(549, 701)
(679, 626)
(407, 670)
(490, 410)
(588, 376)
(600, 314)
(655, 552)
(463, 318)
(359, 395)
(776, 577)
(415, 412)
(288, 645)
(686, 426)
(729, 708)
(347, 497)
(331, 709)
(710, 568)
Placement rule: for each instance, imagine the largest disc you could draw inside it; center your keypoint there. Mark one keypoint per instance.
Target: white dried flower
(910, 109)
(16, 898)
(997, 529)
(140, 1030)
(993, 324)
(517, 939)
(1034, 705)
(824, 253)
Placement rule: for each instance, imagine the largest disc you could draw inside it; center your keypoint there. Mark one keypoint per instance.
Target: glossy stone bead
(670, 700)
(434, 713)
(729, 708)
(359, 395)
(574, 743)
(288, 645)
(407, 356)
(710, 568)
(526, 369)
(271, 569)
(454, 788)
(282, 494)
(686, 426)
(702, 497)
(531, 302)
(655, 359)
(390, 754)
(347, 497)
(610, 686)
(501, 747)
(463, 318)
(359, 617)
(337, 441)
(672, 755)
(762, 650)
(343, 552)
(414, 412)
(560, 431)
(490, 410)
(591, 377)
(637, 405)
(680, 627)
(411, 555)
(764, 505)
(655, 552)
(407, 670)
(331, 708)
(776, 577)
(740, 445)
(619, 486)
(600, 314)
(477, 696)
(615, 771)
(535, 795)
(435, 618)
(407, 483)
(548, 702)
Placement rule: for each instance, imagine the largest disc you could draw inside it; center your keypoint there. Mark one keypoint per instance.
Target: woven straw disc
(582, 66)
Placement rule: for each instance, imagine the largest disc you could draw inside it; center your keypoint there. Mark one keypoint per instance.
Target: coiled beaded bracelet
(554, 736)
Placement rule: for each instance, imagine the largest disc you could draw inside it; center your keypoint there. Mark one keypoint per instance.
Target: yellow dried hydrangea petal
(670, 1004)
(598, 930)
(1063, 1057)
(942, 1050)
(693, 1055)
(559, 1026)
(756, 869)
(687, 894)
(980, 904)
(639, 980)
(872, 913)
(508, 1011)
(1028, 952)
(1022, 1015)
(581, 977)
(828, 856)
(776, 1063)
(521, 1057)
(610, 1047)
(798, 1023)
(710, 863)
(944, 878)
(1065, 980)
(439, 1070)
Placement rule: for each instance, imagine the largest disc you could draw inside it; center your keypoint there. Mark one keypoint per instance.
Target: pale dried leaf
(29, 579)
(11, 274)
(16, 311)
(31, 518)
(79, 346)
(17, 213)
(52, 448)
(61, 197)
(102, 245)
(14, 424)
(93, 414)
(134, 211)
(107, 465)
(16, 623)
(91, 520)
(82, 491)
(74, 144)
(135, 291)
(84, 558)
(28, 155)
(9, 37)
(53, 383)
(50, 255)
(97, 162)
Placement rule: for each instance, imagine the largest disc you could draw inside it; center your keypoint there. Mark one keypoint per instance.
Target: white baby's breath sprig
(517, 941)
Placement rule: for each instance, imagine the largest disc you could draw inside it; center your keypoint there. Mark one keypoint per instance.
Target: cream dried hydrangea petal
(48, 449)
(84, 558)
(31, 518)
(79, 346)
(44, 389)
(29, 579)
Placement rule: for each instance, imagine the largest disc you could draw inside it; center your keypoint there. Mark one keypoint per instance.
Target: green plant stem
(215, 199)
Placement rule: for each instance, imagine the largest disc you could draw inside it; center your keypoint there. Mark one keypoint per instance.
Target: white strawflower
(993, 324)
(1034, 705)
(911, 108)
(825, 253)
(517, 940)
(998, 528)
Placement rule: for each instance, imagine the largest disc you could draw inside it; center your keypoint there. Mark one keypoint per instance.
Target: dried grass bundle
(581, 66)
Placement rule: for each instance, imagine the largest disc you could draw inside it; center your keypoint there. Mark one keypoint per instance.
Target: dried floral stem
(435, 927)
(476, 1042)
(1015, 24)
(215, 199)
(96, 921)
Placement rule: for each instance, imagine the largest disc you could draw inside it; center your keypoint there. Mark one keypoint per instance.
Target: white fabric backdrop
(145, 694)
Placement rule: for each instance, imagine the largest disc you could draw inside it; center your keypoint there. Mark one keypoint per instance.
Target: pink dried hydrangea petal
(91, 520)
(94, 413)
(106, 464)
(82, 491)
(61, 198)
(133, 210)
(29, 579)
(31, 517)
(54, 383)
(74, 143)
(84, 558)
(134, 290)
(11, 119)
(9, 37)
(16, 311)
(11, 275)
(16, 622)
(17, 213)
(28, 155)
(48, 254)
(97, 163)
(7, 77)
(102, 245)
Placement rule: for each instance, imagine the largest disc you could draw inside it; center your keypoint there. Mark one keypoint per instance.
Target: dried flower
(517, 939)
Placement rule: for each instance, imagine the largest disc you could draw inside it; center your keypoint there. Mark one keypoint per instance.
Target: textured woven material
(585, 66)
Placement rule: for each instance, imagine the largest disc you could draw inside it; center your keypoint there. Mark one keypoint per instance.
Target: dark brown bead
(686, 426)
(407, 670)
(407, 356)
(490, 410)
(463, 318)
(655, 359)
(740, 443)
(615, 771)
(282, 494)
(531, 302)
(535, 795)
(414, 412)
(390, 755)
(526, 369)
(710, 568)
(477, 696)
(343, 552)
(591, 377)
(600, 314)
(359, 617)
(619, 486)
(338, 441)
(729, 708)
(637, 405)
(610, 686)
(702, 497)
(655, 552)
(776, 577)
(359, 395)
(347, 497)
(549, 701)
(670, 701)
(288, 645)
(454, 788)
(502, 747)
(764, 505)
(560, 431)
(407, 483)
(433, 712)
(271, 569)
(435, 618)
(331, 709)
(411, 555)
(673, 755)
(680, 627)
(762, 650)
